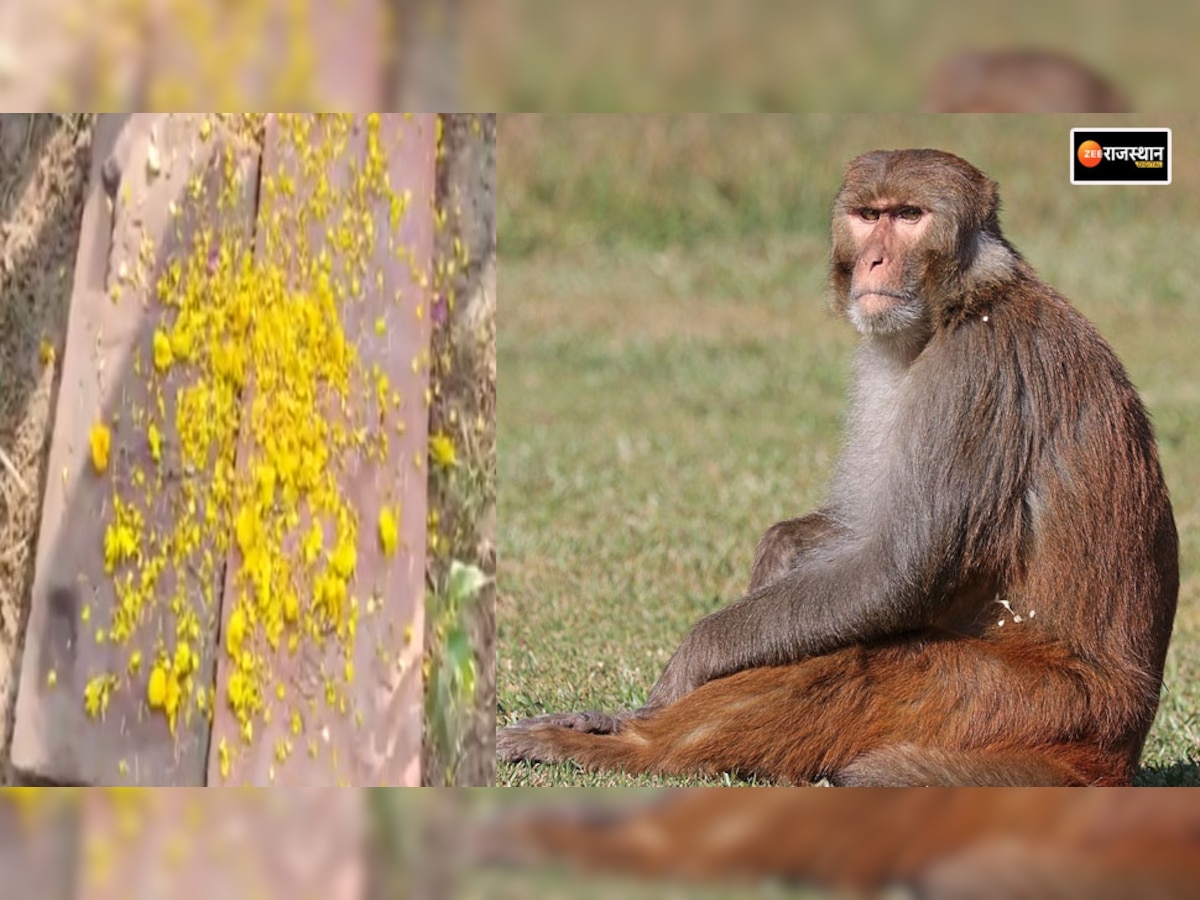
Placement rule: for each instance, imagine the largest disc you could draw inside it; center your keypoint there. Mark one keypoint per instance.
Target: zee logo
(1121, 156)
(1090, 154)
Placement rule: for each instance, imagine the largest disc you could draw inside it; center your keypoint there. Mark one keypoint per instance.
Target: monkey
(1020, 81)
(971, 843)
(987, 596)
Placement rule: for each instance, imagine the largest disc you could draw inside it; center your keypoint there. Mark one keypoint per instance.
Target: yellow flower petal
(100, 440)
(156, 688)
(163, 357)
(389, 533)
(441, 449)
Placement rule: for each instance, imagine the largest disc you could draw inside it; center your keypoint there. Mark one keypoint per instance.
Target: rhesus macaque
(953, 844)
(1019, 81)
(987, 596)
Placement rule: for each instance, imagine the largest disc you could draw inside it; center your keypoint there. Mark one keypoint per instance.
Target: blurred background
(493, 843)
(509, 55)
(674, 382)
(764, 55)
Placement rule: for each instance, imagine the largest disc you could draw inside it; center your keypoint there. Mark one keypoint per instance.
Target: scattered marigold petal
(343, 560)
(441, 449)
(163, 356)
(268, 360)
(100, 440)
(389, 533)
(154, 438)
(156, 688)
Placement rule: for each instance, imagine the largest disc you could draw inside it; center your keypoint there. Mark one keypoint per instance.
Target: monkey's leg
(741, 723)
(765, 721)
(784, 542)
(777, 552)
(817, 718)
(909, 765)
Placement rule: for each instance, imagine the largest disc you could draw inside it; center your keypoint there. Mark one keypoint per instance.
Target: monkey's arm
(784, 544)
(844, 588)
(909, 517)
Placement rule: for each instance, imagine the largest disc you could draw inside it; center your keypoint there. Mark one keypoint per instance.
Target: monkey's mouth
(875, 303)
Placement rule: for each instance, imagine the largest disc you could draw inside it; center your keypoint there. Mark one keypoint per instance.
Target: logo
(1120, 156)
(1090, 153)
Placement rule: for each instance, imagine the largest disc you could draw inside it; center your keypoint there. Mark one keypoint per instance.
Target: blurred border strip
(557, 55)
(259, 55)
(941, 843)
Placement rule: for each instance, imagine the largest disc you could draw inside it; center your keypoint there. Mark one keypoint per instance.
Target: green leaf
(464, 582)
(462, 662)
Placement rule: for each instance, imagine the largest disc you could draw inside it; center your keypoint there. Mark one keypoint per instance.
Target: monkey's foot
(525, 740)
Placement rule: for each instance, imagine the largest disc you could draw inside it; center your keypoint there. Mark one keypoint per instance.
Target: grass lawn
(673, 382)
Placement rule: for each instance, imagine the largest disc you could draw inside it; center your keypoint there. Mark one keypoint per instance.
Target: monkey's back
(1075, 516)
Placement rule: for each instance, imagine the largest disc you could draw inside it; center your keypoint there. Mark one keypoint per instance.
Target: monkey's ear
(989, 195)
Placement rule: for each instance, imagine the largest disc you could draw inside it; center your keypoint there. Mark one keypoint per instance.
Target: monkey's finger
(589, 722)
(532, 739)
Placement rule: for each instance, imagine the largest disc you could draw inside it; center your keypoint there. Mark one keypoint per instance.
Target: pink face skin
(885, 230)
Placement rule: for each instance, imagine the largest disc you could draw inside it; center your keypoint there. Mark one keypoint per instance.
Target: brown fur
(937, 843)
(988, 595)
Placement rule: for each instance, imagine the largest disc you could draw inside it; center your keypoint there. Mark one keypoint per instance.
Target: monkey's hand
(527, 740)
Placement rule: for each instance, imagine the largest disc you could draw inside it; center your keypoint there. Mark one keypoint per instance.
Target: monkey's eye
(910, 213)
(868, 215)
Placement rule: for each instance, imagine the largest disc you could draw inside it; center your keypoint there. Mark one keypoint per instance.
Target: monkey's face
(884, 291)
(907, 226)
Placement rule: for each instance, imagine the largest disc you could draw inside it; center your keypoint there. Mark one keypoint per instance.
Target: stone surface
(73, 598)
(376, 740)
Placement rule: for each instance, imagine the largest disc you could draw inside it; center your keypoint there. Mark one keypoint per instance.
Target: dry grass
(43, 170)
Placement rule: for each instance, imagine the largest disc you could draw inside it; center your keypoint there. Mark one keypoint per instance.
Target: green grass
(673, 382)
